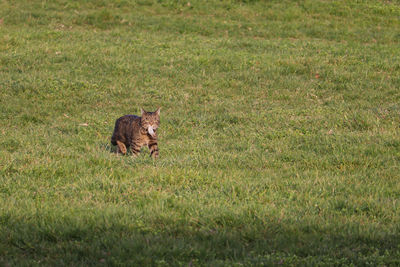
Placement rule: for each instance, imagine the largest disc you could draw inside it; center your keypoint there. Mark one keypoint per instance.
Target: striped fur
(134, 132)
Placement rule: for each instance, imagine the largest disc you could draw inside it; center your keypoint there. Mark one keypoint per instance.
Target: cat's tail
(113, 140)
(113, 137)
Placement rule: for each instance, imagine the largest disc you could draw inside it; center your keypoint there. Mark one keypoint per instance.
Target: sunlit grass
(279, 138)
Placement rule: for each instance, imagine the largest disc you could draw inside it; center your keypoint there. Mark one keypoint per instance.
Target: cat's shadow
(113, 149)
(108, 147)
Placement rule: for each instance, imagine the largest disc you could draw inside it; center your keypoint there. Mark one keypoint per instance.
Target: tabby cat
(134, 132)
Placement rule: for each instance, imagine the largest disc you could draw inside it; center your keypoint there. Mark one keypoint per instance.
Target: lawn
(279, 138)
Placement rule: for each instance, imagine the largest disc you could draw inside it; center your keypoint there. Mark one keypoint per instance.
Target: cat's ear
(158, 111)
(142, 111)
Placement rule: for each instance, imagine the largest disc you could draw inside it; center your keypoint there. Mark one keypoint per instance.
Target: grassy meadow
(279, 138)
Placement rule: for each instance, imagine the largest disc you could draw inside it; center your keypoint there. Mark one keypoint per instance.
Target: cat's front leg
(153, 149)
(135, 148)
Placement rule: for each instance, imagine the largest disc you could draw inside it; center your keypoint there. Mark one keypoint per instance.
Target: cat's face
(150, 121)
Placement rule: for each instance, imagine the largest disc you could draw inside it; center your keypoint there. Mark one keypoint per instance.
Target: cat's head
(150, 121)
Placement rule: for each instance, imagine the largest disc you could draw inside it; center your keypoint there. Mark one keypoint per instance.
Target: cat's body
(135, 132)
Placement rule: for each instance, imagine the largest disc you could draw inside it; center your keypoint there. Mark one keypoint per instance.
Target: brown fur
(131, 131)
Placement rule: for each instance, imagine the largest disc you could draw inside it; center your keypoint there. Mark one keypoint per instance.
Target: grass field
(279, 139)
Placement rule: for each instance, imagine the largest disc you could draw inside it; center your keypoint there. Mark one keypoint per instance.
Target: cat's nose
(151, 131)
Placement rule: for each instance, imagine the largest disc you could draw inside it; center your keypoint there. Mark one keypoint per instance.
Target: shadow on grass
(73, 241)
(108, 147)
(114, 149)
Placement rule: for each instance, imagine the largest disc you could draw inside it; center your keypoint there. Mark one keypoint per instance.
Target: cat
(135, 132)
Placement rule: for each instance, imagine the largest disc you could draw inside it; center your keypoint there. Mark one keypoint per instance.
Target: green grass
(279, 139)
